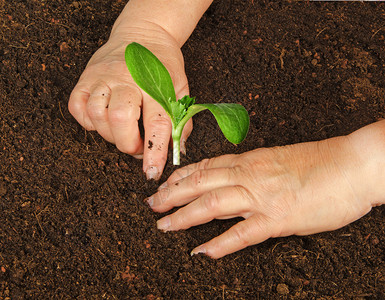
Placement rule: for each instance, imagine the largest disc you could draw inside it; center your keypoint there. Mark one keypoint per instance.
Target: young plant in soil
(153, 78)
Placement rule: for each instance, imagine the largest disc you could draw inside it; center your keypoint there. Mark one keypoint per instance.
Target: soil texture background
(73, 224)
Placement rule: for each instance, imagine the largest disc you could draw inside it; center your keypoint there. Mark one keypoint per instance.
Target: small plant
(152, 77)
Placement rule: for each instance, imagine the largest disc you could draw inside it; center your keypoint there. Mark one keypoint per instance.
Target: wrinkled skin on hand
(293, 190)
(106, 98)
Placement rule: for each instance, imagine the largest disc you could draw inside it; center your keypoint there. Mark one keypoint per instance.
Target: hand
(299, 189)
(106, 98)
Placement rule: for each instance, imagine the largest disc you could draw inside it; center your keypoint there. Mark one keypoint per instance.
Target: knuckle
(240, 233)
(117, 116)
(263, 226)
(212, 201)
(198, 178)
(160, 120)
(163, 195)
(179, 220)
(76, 100)
(246, 196)
(234, 173)
(73, 105)
(181, 173)
(121, 115)
(264, 161)
(204, 164)
(97, 112)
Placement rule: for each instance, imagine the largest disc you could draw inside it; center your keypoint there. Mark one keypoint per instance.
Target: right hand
(106, 98)
(298, 189)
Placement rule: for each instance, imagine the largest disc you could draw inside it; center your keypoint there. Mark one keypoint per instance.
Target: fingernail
(163, 185)
(197, 250)
(152, 173)
(164, 223)
(150, 201)
(183, 146)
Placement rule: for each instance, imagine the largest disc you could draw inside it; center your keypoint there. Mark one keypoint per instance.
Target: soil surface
(73, 224)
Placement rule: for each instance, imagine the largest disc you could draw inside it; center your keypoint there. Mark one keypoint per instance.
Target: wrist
(143, 32)
(177, 18)
(368, 144)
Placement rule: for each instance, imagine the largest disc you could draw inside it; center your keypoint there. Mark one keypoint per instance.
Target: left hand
(107, 99)
(299, 189)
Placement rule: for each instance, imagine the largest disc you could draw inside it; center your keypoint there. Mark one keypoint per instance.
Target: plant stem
(177, 131)
(176, 151)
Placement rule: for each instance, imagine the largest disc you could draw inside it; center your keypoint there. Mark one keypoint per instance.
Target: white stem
(176, 152)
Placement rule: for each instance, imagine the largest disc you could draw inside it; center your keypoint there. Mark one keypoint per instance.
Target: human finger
(124, 111)
(97, 109)
(216, 203)
(180, 93)
(189, 188)
(157, 133)
(77, 106)
(224, 161)
(251, 231)
(185, 134)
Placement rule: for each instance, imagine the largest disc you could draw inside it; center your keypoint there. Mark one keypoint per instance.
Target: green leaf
(187, 101)
(151, 75)
(179, 108)
(232, 119)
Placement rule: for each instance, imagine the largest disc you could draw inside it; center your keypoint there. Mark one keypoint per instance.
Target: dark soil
(72, 219)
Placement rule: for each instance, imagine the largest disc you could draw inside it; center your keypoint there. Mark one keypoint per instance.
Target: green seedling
(153, 78)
